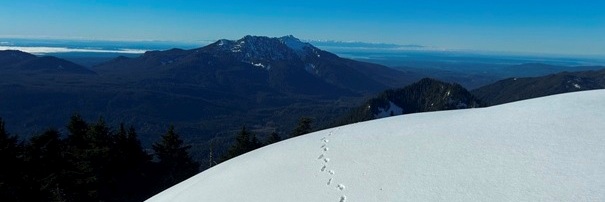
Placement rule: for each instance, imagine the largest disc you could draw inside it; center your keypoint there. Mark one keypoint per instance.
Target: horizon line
(363, 45)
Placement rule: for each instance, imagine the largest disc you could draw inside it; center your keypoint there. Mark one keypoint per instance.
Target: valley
(311, 101)
(263, 83)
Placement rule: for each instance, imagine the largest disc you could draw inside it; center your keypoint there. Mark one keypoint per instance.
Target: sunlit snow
(545, 149)
(294, 43)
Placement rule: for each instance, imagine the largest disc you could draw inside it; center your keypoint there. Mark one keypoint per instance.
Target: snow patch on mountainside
(459, 104)
(391, 110)
(577, 86)
(545, 149)
(311, 68)
(294, 43)
(265, 48)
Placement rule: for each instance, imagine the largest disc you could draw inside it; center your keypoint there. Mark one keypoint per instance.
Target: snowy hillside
(545, 149)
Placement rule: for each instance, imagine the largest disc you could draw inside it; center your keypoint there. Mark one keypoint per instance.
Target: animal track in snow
(341, 187)
(324, 148)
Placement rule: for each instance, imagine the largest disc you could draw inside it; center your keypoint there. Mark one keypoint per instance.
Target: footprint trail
(324, 157)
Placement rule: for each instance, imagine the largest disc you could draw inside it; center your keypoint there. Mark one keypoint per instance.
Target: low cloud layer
(47, 50)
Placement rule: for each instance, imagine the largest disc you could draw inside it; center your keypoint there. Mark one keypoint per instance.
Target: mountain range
(284, 65)
(210, 92)
(265, 83)
(16, 63)
(514, 89)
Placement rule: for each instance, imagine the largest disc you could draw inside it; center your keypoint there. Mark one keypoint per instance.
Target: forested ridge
(95, 162)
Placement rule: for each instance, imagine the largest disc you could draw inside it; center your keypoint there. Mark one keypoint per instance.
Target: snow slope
(545, 149)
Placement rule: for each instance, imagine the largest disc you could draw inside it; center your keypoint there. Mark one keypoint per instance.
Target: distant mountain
(423, 96)
(264, 83)
(514, 89)
(474, 72)
(282, 64)
(17, 63)
(12, 57)
(353, 45)
(541, 69)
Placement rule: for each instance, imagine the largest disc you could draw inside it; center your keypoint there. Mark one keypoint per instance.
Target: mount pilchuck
(262, 82)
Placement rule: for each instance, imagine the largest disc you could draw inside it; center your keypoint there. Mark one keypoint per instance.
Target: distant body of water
(384, 54)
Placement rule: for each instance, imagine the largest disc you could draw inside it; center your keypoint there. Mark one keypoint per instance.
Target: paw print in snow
(341, 187)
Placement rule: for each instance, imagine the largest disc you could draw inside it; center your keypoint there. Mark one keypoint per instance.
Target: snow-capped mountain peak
(262, 48)
(294, 43)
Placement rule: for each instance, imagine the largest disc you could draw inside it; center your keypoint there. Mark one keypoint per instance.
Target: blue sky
(559, 27)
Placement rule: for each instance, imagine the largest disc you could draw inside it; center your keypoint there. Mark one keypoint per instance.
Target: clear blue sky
(567, 27)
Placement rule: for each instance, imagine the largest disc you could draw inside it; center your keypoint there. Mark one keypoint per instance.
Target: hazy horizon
(557, 27)
(41, 46)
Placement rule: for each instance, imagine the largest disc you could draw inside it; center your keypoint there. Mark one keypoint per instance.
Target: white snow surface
(544, 149)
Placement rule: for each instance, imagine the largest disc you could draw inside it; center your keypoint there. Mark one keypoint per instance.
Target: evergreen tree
(129, 167)
(11, 168)
(254, 143)
(89, 157)
(273, 138)
(77, 128)
(99, 136)
(242, 143)
(128, 148)
(304, 127)
(245, 141)
(175, 163)
(45, 151)
(96, 160)
(76, 146)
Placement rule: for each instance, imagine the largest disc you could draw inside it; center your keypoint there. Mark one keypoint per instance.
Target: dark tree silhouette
(91, 164)
(175, 163)
(129, 167)
(245, 141)
(304, 127)
(273, 138)
(46, 151)
(11, 168)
